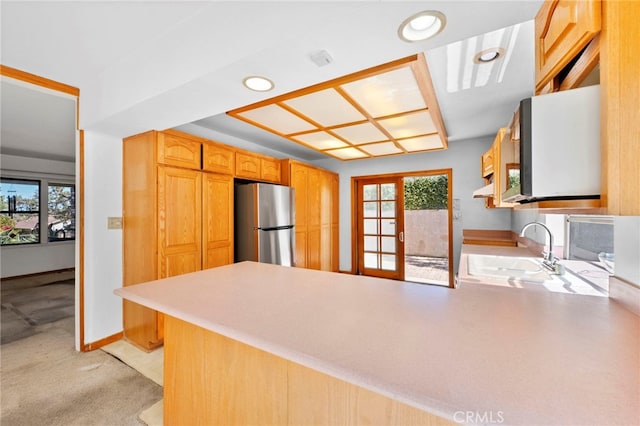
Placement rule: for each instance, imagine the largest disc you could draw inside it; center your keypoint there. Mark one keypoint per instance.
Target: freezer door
(275, 206)
(277, 246)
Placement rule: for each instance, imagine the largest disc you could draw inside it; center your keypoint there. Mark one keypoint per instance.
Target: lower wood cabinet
(213, 380)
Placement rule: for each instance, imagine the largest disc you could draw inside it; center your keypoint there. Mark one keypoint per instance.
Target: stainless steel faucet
(550, 261)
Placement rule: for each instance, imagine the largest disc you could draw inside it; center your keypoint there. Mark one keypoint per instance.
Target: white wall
(463, 157)
(102, 247)
(626, 240)
(32, 259)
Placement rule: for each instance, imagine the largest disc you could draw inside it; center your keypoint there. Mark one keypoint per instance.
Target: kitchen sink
(507, 268)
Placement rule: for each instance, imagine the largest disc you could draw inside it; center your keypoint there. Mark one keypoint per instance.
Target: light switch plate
(114, 223)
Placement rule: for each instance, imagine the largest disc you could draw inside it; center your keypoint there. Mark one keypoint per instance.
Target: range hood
(484, 192)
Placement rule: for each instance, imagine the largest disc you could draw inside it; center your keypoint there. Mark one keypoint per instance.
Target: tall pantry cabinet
(177, 216)
(316, 214)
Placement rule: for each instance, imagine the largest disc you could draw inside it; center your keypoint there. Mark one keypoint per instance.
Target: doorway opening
(403, 226)
(426, 215)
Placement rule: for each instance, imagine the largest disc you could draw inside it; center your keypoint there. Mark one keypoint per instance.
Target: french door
(381, 229)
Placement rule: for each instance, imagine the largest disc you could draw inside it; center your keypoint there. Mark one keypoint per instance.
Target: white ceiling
(143, 65)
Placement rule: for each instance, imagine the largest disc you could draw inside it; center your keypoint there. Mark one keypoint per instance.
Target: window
(19, 211)
(21, 215)
(61, 200)
(588, 237)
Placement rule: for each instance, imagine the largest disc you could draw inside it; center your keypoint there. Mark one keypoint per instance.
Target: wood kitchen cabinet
(563, 28)
(565, 58)
(177, 217)
(316, 226)
(257, 167)
(218, 158)
(487, 163)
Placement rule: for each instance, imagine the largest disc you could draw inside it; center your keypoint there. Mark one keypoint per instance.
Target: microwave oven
(559, 152)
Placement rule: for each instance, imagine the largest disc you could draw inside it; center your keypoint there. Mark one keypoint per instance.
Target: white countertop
(518, 356)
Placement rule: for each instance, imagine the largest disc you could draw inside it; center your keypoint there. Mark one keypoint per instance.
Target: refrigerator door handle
(275, 228)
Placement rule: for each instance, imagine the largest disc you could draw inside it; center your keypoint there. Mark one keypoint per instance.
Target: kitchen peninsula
(256, 343)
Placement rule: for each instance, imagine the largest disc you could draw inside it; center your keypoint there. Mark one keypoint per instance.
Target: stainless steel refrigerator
(264, 223)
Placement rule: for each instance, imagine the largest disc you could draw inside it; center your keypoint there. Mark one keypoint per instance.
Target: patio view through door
(402, 226)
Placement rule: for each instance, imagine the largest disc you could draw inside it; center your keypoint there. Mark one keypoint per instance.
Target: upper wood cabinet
(503, 150)
(563, 28)
(487, 162)
(247, 165)
(258, 167)
(218, 158)
(178, 151)
(270, 169)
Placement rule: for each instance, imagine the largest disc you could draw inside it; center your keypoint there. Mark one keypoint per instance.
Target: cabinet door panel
(176, 151)
(217, 220)
(270, 169)
(299, 182)
(301, 249)
(218, 159)
(314, 248)
(179, 221)
(313, 198)
(563, 28)
(247, 166)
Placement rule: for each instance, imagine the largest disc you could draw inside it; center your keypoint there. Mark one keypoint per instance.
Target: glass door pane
(380, 222)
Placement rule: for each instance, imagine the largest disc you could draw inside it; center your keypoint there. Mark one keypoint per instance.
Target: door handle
(401, 236)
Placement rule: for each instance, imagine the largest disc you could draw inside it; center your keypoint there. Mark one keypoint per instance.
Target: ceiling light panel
(422, 143)
(404, 126)
(320, 141)
(276, 117)
(326, 107)
(361, 133)
(384, 148)
(347, 153)
(361, 115)
(387, 94)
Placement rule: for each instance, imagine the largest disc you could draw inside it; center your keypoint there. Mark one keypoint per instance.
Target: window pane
(371, 226)
(371, 209)
(388, 226)
(371, 260)
(62, 211)
(19, 228)
(19, 211)
(19, 196)
(388, 262)
(389, 209)
(388, 244)
(371, 192)
(388, 191)
(371, 244)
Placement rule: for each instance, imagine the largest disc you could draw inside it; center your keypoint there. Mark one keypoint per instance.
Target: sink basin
(507, 268)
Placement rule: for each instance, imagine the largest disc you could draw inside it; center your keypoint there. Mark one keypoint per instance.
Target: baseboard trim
(625, 293)
(38, 274)
(102, 342)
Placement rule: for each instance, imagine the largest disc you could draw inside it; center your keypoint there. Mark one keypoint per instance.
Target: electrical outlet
(114, 223)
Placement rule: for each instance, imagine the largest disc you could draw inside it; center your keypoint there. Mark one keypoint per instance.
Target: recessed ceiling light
(257, 83)
(421, 26)
(488, 55)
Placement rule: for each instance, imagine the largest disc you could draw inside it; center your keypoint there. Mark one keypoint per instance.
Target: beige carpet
(46, 382)
(149, 364)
